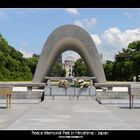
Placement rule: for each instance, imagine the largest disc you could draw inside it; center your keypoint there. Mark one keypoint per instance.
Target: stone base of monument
(69, 97)
(71, 91)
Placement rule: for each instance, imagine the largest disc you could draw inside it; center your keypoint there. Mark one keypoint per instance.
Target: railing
(6, 91)
(135, 91)
(107, 87)
(29, 88)
(29, 85)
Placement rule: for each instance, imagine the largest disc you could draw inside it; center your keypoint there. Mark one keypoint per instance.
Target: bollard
(130, 96)
(132, 101)
(74, 92)
(65, 91)
(53, 98)
(50, 91)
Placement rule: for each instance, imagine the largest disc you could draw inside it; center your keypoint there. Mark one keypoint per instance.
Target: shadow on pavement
(129, 108)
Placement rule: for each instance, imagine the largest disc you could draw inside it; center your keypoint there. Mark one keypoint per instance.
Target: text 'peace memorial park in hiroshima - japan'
(60, 96)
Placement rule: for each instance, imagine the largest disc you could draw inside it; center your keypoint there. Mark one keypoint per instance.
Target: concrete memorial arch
(69, 37)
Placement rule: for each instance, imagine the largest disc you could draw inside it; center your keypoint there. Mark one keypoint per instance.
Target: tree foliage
(126, 64)
(58, 71)
(108, 68)
(80, 68)
(32, 63)
(13, 66)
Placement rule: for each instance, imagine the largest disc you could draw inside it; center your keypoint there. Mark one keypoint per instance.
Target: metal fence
(133, 90)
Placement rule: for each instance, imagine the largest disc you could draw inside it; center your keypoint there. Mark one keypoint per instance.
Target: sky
(27, 29)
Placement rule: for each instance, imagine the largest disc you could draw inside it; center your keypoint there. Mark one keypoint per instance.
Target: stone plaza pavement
(71, 114)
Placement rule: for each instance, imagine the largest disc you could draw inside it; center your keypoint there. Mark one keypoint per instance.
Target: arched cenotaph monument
(64, 38)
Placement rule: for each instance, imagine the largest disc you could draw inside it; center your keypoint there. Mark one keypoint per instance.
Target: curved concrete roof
(69, 37)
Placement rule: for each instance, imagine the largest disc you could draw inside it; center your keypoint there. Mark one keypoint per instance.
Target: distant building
(68, 66)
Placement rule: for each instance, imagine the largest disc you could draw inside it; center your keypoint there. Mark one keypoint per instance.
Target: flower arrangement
(81, 83)
(63, 83)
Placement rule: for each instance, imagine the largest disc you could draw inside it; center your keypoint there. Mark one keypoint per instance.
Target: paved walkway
(62, 113)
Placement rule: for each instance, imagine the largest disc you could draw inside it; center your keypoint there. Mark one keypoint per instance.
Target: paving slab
(63, 113)
(19, 108)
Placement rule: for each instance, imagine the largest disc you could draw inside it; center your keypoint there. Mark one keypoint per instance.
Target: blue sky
(111, 29)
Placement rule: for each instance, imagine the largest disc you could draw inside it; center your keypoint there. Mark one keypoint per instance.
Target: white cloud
(113, 40)
(79, 23)
(68, 54)
(73, 11)
(23, 50)
(115, 37)
(86, 23)
(111, 36)
(96, 39)
(26, 54)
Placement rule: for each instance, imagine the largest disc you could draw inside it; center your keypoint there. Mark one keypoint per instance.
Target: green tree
(135, 49)
(16, 54)
(13, 66)
(126, 64)
(80, 68)
(32, 63)
(58, 71)
(2, 59)
(108, 68)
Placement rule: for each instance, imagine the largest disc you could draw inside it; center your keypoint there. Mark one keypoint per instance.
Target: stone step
(69, 97)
